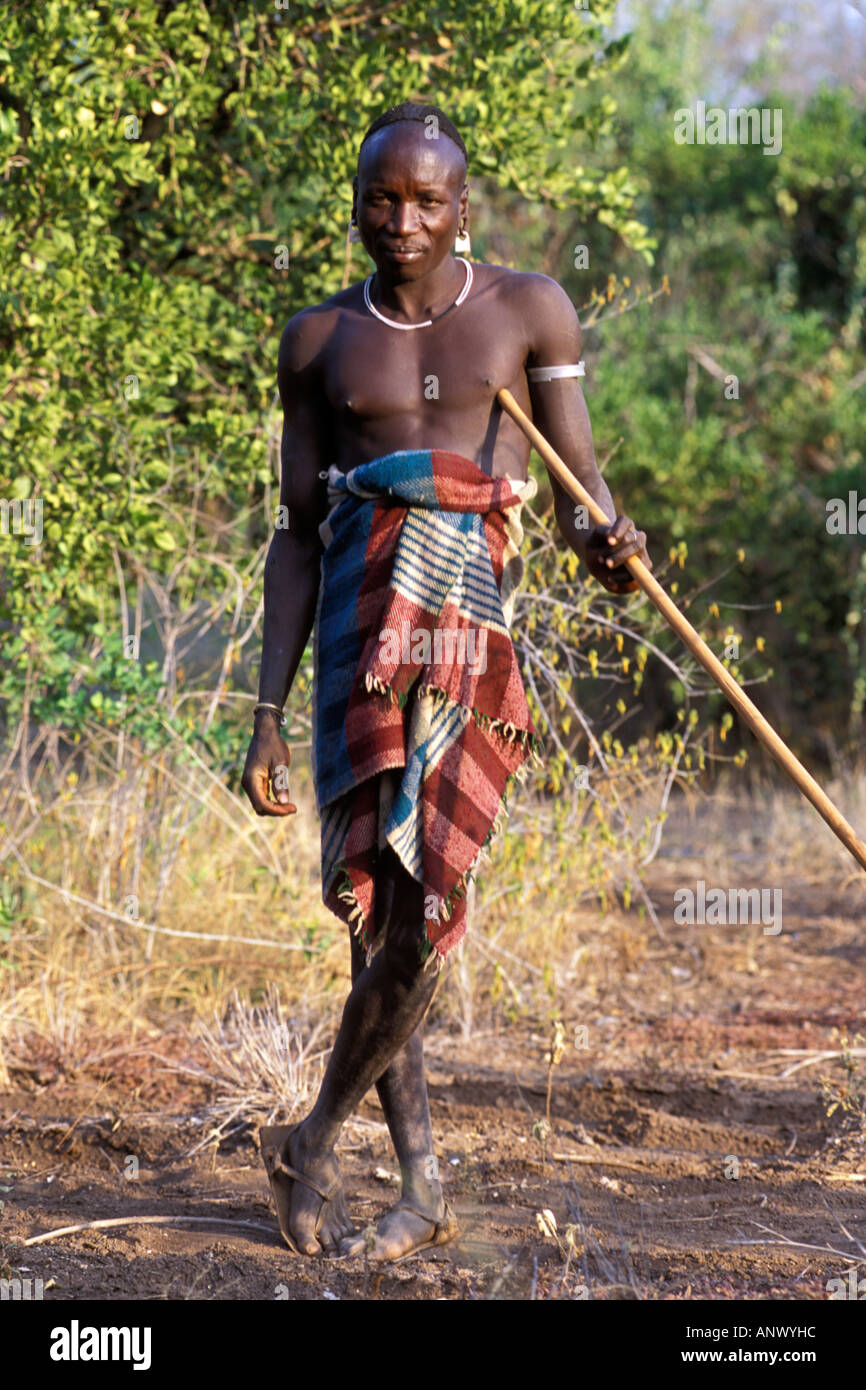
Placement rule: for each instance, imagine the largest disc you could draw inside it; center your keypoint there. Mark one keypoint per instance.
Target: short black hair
(417, 111)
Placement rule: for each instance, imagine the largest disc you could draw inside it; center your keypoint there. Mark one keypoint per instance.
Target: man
(391, 426)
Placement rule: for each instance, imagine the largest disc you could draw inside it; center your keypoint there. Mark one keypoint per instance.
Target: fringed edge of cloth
(503, 727)
(431, 957)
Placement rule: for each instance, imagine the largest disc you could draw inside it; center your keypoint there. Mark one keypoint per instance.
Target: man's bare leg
(402, 1090)
(388, 1001)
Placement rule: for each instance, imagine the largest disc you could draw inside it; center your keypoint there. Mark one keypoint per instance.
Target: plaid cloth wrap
(415, 670)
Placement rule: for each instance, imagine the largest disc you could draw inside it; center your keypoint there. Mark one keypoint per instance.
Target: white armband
(555, 373)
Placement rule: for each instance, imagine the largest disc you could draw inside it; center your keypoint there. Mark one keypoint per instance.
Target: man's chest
(373, 372)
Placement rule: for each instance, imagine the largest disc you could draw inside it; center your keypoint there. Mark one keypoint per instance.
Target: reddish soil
(682, 1080)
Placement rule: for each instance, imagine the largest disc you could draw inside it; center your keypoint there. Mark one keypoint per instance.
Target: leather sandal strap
(279, 1166)
(436, 1221)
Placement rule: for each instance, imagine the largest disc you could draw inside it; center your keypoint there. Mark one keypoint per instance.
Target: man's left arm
(559, 412)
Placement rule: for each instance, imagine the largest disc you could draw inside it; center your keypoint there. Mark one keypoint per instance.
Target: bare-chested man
(353, 390)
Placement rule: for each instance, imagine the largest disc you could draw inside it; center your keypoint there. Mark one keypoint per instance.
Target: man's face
(410, 197)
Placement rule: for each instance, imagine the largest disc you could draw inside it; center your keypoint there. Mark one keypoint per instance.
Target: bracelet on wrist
(275, 709)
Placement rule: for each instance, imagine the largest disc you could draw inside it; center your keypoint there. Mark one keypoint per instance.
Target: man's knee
(405, 954)
(406, 945)
(401, 898)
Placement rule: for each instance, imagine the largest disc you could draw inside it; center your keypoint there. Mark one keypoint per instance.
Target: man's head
(410, 191)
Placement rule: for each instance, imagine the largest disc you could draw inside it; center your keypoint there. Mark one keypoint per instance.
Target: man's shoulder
(548, 319)
(309, 330)
(533, 292)
(550, 325)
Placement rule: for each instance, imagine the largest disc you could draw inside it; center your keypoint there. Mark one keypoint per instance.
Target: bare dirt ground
(699, 1063)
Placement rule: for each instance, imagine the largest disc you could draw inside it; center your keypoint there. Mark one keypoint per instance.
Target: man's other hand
(608, 547)
(266, 772)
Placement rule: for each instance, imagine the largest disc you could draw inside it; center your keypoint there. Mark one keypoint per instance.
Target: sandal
(273, 1143)
(445, 1228)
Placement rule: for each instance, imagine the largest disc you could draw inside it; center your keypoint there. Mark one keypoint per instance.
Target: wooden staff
(695, 643)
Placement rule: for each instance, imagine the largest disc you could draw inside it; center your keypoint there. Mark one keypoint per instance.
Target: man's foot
(307, 1192)
(402, 1231)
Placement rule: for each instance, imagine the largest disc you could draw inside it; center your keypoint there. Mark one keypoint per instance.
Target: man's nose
(403, 220)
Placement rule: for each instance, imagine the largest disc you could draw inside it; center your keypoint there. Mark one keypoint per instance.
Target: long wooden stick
(695, 643)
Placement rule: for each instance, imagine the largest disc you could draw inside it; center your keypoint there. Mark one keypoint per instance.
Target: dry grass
(257, 1061)
(88, 966)
(82, 980)
(142, 893)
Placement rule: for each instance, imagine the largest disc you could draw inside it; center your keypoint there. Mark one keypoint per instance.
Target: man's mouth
(403, 253)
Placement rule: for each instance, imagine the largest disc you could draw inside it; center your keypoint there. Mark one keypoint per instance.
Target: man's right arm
(291, 584)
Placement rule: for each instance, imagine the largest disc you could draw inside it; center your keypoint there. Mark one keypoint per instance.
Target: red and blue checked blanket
(415, 670)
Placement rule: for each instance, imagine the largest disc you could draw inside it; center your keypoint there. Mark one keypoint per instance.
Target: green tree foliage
(765, 257)
(177, 183)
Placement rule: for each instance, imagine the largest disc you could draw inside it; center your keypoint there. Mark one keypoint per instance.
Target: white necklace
(426, 324)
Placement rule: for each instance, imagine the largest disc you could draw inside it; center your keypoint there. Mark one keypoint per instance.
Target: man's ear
(355, 196)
